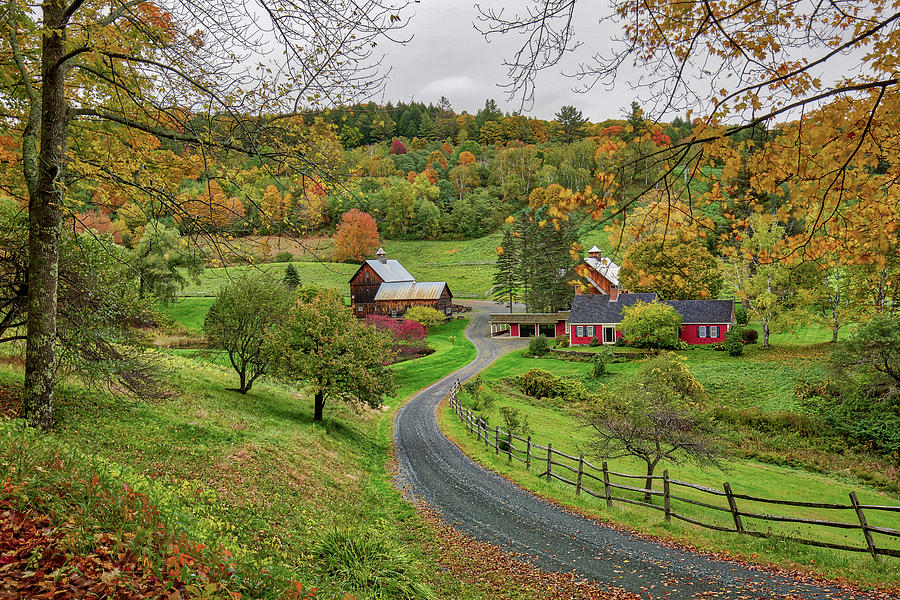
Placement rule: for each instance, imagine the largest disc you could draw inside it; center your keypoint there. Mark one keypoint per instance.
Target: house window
(394, 313)
(567, 328)
(609, 335)
(447, 311)
(701, 331)
(579, 331)
(714, 331)
(590, 331)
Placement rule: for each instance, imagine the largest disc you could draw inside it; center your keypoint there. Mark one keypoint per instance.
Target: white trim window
(609, 334)
(567, 328)
(590, 331)
(579, 331)
(701, 331)
(714, 331)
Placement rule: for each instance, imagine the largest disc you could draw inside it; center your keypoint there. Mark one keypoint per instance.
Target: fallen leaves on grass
(36, 562)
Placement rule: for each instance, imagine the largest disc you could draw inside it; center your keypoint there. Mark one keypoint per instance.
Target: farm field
(252, 473)
(763, 383)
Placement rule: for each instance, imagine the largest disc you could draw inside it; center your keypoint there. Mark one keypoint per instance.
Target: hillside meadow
(248, 482)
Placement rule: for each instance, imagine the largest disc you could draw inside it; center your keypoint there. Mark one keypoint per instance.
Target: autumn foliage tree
(356, 237)
(185, 73)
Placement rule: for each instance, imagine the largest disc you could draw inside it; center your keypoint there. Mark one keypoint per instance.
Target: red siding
(514, 330)
(689, 334)
(560, 328)
(575, 340)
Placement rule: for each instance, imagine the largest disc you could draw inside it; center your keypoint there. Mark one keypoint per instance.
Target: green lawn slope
(252, 475)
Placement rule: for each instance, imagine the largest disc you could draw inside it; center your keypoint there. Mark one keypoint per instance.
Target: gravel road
(491, 509)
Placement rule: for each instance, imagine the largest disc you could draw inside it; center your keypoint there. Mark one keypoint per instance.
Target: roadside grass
(753, 478)
(252, 474)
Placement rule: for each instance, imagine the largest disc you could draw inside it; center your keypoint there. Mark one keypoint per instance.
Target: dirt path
(491, 509)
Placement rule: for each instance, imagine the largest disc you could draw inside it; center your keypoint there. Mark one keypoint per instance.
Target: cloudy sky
(448, 57)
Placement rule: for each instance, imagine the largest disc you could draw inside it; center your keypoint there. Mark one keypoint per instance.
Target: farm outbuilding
(385, 287)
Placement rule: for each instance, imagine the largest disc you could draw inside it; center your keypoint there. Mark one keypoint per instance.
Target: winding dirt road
(491, 509)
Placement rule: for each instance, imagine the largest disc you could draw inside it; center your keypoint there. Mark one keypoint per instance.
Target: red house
(596, 316)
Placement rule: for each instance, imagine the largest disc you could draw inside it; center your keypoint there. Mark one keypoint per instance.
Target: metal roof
(390, 271)
(536, 318)
(590, 309)
(605, 267)
(403, 290)
(595, 249)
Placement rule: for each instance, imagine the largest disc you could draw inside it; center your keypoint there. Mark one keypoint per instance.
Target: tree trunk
(765, 331)
(44, 227)
(834, 334)
(320, 406)
(648, 483)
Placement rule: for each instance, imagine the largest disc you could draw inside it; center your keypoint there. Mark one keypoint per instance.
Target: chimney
(381, 256)
(594, 252)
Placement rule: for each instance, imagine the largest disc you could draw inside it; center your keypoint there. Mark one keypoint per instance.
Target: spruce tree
(291, 279)
(506, 276)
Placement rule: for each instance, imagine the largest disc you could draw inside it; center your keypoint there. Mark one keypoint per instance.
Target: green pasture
(252, 473)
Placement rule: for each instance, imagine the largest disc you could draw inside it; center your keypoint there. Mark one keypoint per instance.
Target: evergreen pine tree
(506, 276)
(291, 279)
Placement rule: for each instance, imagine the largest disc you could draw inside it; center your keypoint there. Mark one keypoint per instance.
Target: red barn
(385, 287)
(601, 274)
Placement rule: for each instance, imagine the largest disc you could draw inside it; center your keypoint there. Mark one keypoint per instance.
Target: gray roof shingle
(595, 308)
(703, 312)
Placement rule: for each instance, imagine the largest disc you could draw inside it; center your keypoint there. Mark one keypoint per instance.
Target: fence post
(738, 525)
(549, 459)
(509, 445)
(580, 471)
(606, 489)
(528, 454)
(864, 525)
(486, 442)
(478, 427)
(666, 502)
(496, 439)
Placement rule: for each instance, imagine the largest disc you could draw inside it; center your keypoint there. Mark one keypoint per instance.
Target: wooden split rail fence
(595, 481)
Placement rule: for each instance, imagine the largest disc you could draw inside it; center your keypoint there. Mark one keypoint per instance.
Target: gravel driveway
(491, 509)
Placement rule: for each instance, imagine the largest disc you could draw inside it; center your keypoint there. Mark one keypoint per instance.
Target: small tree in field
(322, 345)
(356, 237)
(653, 418)
(427, 316)
(651, 325)
(291, 279)
(239, 320)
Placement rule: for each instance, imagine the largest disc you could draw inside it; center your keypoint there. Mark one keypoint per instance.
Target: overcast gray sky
(448, 57)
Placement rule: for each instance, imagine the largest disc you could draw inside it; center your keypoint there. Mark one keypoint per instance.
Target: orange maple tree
(356, 237)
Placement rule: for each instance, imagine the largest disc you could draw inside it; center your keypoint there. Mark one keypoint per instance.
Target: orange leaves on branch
(211, 211)
(466, 158)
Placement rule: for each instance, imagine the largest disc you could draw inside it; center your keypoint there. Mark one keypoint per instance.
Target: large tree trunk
(45, 224)
(320, 406)
(765, 332)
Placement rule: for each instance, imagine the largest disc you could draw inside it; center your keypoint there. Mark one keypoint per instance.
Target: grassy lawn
(763, 380)
(189, 311)
(251, 473)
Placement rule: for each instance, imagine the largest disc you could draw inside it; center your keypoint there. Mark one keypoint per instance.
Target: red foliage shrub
(397, 147)
(403, 330)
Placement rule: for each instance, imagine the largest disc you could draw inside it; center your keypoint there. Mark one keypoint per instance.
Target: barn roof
(588, 309)
(390, 271)
(703, 311)
(411, 290)
(605, 266)
(531, 318)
